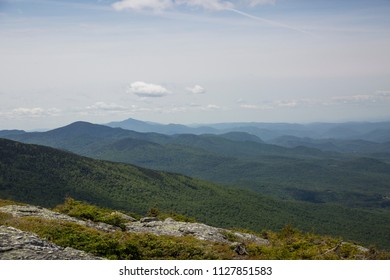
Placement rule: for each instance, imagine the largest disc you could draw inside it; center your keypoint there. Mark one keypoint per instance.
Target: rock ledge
(19, 245)
(16, 244)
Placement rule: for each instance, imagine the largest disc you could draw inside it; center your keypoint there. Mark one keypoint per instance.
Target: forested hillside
(45, 176)
(359, 177)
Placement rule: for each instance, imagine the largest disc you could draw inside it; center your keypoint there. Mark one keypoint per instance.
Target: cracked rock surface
(197, 230)
(40, 212)
(19, 245)
(16, 244)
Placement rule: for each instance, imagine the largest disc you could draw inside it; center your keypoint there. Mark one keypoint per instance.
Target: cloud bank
(34, 112)
(378, 97)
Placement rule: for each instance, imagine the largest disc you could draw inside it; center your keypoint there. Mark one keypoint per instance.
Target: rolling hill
(240, 159)
(45, 176)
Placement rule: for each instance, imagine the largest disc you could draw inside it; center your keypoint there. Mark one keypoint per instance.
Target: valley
(353, 177)
(256, 185)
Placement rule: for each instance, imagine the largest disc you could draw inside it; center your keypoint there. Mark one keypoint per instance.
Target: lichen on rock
(16, 244)
(197, 230)
(19, 245)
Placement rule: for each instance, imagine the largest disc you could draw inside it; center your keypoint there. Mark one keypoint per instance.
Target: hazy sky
(193, 61)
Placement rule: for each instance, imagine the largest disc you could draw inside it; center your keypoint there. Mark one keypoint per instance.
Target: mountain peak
(82, 127)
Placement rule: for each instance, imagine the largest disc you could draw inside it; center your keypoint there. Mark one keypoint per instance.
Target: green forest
(46, 176)
(353, 177)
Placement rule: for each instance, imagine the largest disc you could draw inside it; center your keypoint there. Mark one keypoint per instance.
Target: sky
(193, 61)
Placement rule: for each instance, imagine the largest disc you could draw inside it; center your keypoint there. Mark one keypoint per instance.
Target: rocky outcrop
(144, 225)
(19, 245)
(16, 244)
(197, 230)
(40, 212)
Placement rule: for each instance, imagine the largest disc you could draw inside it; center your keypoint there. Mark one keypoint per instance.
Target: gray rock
(240, 249)
(197, 230)
(40, 212)
(19, 245)
(123, 216)
(149, 219)
(151, 225)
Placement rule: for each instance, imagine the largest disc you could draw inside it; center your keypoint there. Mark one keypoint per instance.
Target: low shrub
(85, 211)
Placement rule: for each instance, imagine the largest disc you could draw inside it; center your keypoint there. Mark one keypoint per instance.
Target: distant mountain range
(364, 138)
(353, 173)
(369, 131)
(11, 132)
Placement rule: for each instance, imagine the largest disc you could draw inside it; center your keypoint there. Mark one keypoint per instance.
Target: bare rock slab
(19, 245)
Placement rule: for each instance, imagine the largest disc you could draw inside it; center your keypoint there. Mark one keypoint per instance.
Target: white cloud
(286, 103)
(213, 5)
(249, 106)
(383, 93)
(272, 105)
(192, 108)
(378, 96)
(156, 5)
(197, 89)
(53, 112)
(254, 3)
(28, 111)
(161, 5)
(106, 107)
(258, 107)
(23, 112)
(212, 107)
(351, 98)
(143, 89)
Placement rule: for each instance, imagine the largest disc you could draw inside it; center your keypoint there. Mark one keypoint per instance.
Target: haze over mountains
(369, 131)
(345, 175)
(313, 168)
